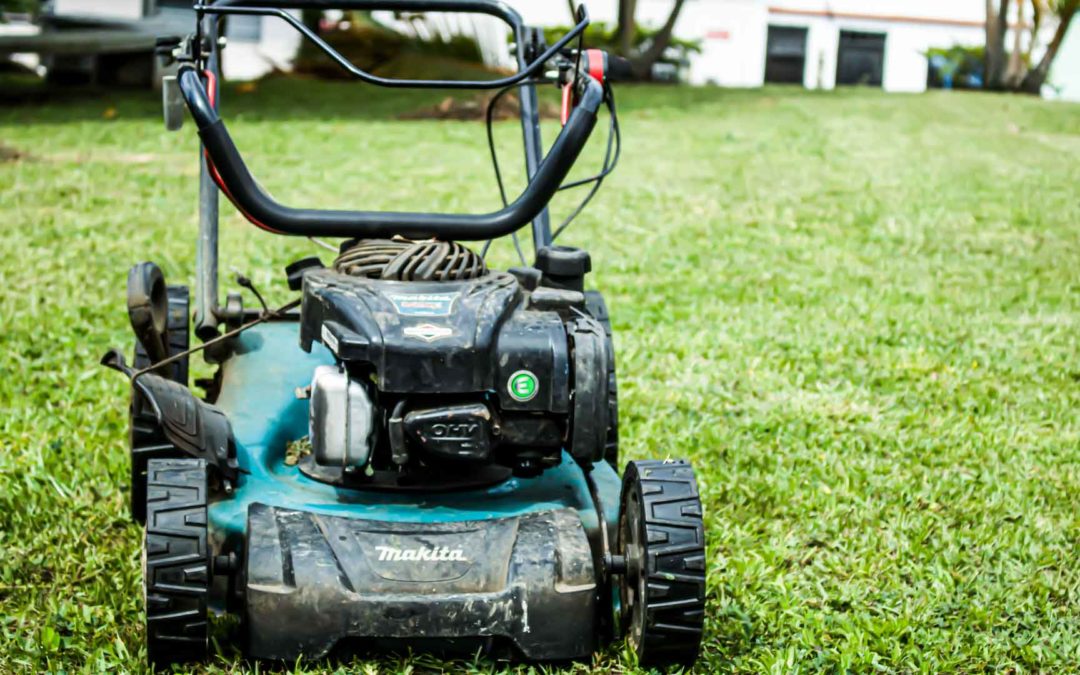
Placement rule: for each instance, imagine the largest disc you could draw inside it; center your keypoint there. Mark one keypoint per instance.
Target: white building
(257, 45)
(744, 43)
(1065, 74)
(819, 43)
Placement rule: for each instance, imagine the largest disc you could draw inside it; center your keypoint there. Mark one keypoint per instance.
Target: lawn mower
(419, 452)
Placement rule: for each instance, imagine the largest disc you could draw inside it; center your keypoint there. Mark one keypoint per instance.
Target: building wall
(107, 9)
(733, 33)
(906, 44)
(1064, 80)
(251, 55)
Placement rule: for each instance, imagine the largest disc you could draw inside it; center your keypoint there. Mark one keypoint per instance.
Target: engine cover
(450, 337)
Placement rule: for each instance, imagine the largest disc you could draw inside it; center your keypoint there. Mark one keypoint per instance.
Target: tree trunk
(310, 18)
(643, 65)
(1038, 7)
(1036, 77)
(1016, 70)
(996, 25)
(627, 26)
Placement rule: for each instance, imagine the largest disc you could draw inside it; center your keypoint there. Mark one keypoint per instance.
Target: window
(860, 58)
(785, 55)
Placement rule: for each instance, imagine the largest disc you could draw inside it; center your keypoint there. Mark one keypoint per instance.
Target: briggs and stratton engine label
(424, 304)
(428, 332)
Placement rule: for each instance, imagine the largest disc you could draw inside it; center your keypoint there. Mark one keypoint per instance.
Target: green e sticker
(522, 386)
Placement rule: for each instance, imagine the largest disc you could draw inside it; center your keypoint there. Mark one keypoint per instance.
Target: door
(861, 58)
(785, 55)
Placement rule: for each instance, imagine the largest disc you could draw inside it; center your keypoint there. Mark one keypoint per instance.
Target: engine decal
(428, 332)
(424, 304)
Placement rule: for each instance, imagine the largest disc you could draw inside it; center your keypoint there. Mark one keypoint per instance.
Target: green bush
(375, 47)
(18, 6)
(606, 36)
(963, 65)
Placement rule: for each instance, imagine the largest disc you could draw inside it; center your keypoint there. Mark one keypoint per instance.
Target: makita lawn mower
(419, 452)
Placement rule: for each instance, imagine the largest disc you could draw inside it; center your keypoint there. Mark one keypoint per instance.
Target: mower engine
(444, 366)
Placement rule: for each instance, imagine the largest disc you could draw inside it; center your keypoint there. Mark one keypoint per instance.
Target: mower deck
(512, 561)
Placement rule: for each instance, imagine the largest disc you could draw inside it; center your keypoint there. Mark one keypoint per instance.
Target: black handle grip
(619, 69)
(259, 207)
(602, 65)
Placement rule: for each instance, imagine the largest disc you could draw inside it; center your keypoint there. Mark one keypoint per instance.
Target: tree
(996, 25)
(643, 64)
(1036, 77)
(1014, 71)
(627, 37)
(312, 19)
(627, 28)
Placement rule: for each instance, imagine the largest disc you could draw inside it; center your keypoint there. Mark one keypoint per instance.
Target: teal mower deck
(418, 452)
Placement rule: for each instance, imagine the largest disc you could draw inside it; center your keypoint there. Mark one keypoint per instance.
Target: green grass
(858, 314)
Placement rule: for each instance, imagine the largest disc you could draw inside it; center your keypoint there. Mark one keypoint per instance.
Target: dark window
(860, 58)
(785, 55)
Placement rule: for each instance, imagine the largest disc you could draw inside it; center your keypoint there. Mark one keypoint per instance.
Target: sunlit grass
(858, 314)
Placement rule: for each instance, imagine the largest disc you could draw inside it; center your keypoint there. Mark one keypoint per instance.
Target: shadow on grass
(274, 98)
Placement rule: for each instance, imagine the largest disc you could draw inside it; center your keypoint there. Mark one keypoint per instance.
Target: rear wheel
(147, 440)
(176, 561)
(661, 538)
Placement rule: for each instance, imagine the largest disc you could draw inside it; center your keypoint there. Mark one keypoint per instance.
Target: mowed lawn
(857, 313)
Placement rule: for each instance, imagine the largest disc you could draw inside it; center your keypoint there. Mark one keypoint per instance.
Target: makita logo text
(423, 553)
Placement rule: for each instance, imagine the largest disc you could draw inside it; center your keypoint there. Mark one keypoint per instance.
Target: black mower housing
(435, 339)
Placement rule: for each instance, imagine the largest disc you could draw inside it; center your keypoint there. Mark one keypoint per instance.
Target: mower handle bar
(490, 7)
(495, 8)
(240, 186)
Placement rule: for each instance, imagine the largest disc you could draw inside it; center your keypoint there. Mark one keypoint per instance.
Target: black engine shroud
(467, 371)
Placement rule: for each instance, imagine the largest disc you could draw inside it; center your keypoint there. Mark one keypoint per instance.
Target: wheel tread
(177, 573)
(674, 561)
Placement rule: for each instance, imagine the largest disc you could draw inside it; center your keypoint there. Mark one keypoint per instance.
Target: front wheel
(176, 561)
(661, 538)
